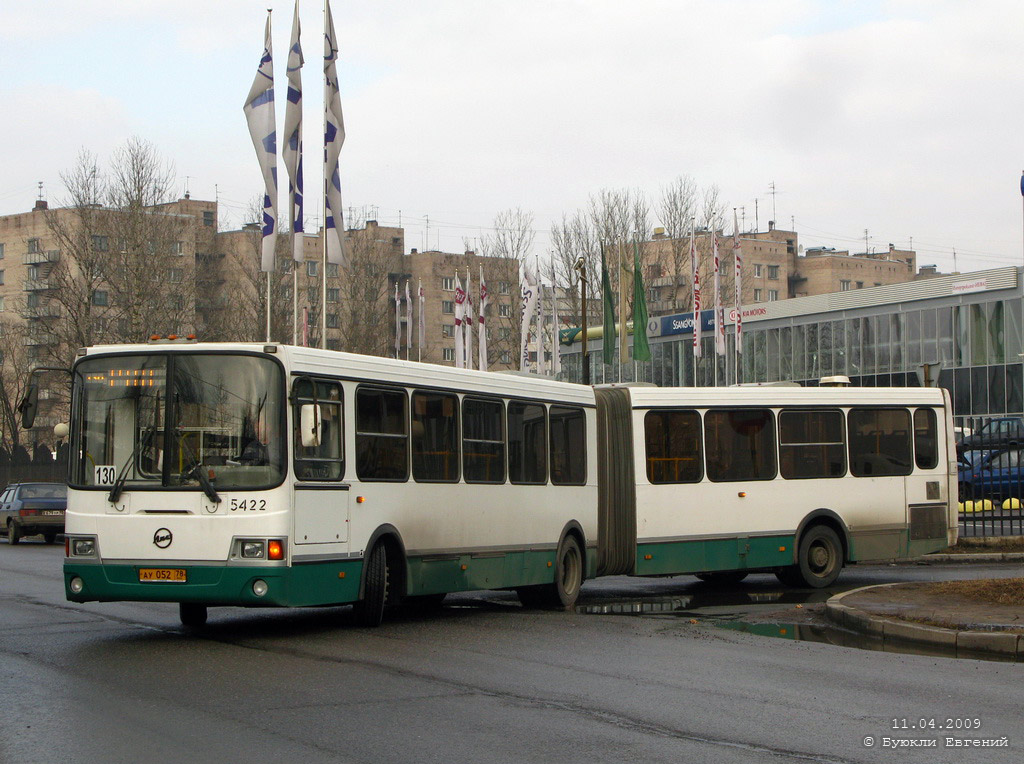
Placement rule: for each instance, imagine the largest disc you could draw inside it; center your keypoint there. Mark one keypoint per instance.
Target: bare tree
(14, 365)
(367, 315)
(676, 211)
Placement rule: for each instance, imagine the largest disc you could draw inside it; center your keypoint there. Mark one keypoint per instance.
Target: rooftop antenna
(40, 190)
(955, 269)
(757, 226)
(187, 178)
(866, 237)
(773, 192)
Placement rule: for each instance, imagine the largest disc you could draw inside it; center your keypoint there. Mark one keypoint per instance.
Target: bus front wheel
(192, 615)
(369, 611)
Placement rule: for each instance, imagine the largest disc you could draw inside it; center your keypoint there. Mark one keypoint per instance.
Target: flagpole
(295, 301)
(268, 305)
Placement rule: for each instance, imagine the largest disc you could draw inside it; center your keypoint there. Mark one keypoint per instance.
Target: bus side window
(483, 440)
(326, 461)
(568, 446)
(740, 444)
(880, 442)
(673, 446)
(811, 444)
(527, 443)
(435, 433)
(382, 434)
(926, 440)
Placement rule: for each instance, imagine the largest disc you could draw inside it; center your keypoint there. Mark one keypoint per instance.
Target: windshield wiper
(122, 476)
(197, 471)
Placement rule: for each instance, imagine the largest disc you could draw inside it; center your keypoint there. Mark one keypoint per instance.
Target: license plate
(53, 512)
(173, 575)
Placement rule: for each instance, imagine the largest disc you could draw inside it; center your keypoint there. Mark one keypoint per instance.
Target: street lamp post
(582, 270)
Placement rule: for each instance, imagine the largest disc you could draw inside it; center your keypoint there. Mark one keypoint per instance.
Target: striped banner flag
(460, 338)
(334, 139)
(695, 264)
(259, 114)
(467, 319)
(480, 321)
(737, 257)
(292, 150)
(719, 316)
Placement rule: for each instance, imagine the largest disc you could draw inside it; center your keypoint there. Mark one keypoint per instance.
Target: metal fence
(990, 452)
(52, 472)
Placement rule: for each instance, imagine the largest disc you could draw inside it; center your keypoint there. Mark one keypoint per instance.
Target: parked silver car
(29, 509)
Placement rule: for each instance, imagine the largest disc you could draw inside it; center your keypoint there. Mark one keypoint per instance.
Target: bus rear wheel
(192, 615)
(369, 611)
(564, 590)
(819, 559)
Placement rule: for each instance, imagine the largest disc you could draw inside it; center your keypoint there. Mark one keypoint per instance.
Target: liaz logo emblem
(162, 538)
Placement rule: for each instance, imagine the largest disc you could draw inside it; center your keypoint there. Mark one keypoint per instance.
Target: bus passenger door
(319, 496)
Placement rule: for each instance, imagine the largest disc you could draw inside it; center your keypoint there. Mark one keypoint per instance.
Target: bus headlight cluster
(261, 549)
(82, 547)
(76, 585)
(259, 587)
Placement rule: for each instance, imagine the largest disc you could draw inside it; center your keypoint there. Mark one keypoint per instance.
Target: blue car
(996, 475)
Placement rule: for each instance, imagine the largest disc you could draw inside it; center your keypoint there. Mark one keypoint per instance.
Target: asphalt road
(480, 680)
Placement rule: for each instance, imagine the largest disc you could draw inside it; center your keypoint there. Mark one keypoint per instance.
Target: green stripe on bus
(701, 555)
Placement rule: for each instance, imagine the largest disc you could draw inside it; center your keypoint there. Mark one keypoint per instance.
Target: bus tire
(790, 576)
(722, 577)
(13, 532)
(820, 557)
(192, 615)
(369, 611)
(563, 591)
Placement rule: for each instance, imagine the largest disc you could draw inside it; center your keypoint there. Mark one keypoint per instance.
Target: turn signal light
(275, 550)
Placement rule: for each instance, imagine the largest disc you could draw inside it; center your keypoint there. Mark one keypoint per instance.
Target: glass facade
(974, 347)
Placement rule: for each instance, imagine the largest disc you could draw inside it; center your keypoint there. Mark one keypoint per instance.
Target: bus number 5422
(247, 505)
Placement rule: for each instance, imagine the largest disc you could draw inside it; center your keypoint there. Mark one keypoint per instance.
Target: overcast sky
(904, 118)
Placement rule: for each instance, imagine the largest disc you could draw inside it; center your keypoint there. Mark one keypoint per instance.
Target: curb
(942, 559)
(1004, 644)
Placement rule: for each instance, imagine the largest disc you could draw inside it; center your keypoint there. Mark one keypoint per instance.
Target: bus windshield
(151, 421)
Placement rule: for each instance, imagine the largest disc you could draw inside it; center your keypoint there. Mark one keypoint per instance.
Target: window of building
(332, 270)
(740, 444)
(504, 333)
(483, 440)
(179, 248)
(504, 311)
(527, 443)
(773, 295)
(435, 446)
(1, 250)
(654, 271)
(333, 344)
(382, 434)
(652, 294)
(333, 294)
(447, 306)
(860, 285)
(504, 287)
(673, 446)
(447, 330)
(926, 441)
(844, 285)
(757, 295)
(880, 442)
(757, 270)
(332, 320)
(2, 306)
(311, 267)
(208, 217)
(506, 356)
(448, 283)
(773, 271)
(32, 300)
(33, 246)
(313, 295)
(447, 354)
(326, 461)
(568, 446)
(286, 265)
(811, 444)
(177, 302)
(101, 297)
(175, 275)
(2, 277)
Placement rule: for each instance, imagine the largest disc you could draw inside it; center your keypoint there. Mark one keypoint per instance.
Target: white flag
(695, 263)
(334, 138)
(398, 322)
(719, 317)
(541, 364)
(556, 359)
(408, 322)
(292, 150)
(259, 113)
(460, 309)
(419, 326)
(480, 322)
(737, 256)
(528, 288)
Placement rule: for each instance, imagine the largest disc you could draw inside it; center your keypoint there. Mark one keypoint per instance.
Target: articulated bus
(270, 475)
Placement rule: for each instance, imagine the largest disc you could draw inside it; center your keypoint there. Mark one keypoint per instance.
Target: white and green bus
(269, 475)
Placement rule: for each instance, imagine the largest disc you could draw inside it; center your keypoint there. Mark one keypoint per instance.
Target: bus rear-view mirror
(29, 406)
(309, 425)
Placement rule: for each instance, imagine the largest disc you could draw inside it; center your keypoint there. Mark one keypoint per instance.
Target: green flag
(641, 350)
(608, 338)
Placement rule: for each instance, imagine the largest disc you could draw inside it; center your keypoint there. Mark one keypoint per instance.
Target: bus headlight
(83, 547)
(76, 585)
(259, 587)
(253, 550)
